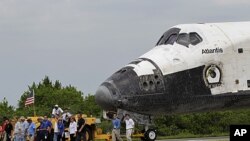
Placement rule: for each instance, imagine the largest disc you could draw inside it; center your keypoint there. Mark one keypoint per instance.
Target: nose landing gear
(150, 135)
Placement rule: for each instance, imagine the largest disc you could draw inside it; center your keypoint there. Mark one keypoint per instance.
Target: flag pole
(34, 104)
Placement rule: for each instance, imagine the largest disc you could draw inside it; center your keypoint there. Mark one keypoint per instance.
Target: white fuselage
(220, 45)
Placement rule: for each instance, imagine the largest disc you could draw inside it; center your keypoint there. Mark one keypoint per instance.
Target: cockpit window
(183, 39)
(186, 39)
(136, 62)
(194, 38)
(169, 37)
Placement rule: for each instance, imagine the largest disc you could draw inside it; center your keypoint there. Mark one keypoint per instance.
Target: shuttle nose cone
(103, 98)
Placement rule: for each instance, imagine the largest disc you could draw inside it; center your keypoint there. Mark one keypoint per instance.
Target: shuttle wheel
(150, 135)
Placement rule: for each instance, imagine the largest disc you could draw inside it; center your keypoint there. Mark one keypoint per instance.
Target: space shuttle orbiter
(192, 68)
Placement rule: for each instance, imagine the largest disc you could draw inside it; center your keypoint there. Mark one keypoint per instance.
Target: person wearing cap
(57, 111)
(31, 129)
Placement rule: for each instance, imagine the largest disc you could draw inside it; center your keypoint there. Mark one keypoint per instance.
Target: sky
(82, 42)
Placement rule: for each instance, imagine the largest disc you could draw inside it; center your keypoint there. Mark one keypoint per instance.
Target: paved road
(225, 138)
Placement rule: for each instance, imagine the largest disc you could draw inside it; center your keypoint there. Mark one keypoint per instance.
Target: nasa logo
(239, 132)
(209, 51)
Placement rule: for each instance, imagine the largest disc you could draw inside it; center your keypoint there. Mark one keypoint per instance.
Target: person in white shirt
(57, 111)
(66, 117)
(129, 127)
(19, 131)
(72, 129)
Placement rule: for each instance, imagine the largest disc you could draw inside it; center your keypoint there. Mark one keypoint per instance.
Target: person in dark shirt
(40, 130)
(8, 129)
(80, 129)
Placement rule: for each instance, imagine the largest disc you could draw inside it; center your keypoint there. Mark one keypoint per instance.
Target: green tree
(90, 107)
(47, 94)
(6, 110)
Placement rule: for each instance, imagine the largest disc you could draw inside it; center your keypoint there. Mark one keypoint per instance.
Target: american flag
(30, 99)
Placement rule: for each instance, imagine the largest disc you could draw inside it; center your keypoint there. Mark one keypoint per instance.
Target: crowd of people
(53, 129)
(48, 129)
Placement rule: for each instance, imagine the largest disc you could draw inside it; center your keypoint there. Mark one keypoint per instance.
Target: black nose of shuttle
(114, 92)
(103, 98)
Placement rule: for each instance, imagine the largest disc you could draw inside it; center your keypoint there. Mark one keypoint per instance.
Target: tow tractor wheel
(88, 134)
(150, 135)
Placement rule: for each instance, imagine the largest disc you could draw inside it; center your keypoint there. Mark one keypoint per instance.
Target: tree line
(48, 93)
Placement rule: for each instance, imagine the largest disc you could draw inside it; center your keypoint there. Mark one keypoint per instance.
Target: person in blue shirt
(31, 129)
(116, 128)
(44, 129)
(48, 127)
(60, 126)
(41, 130)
